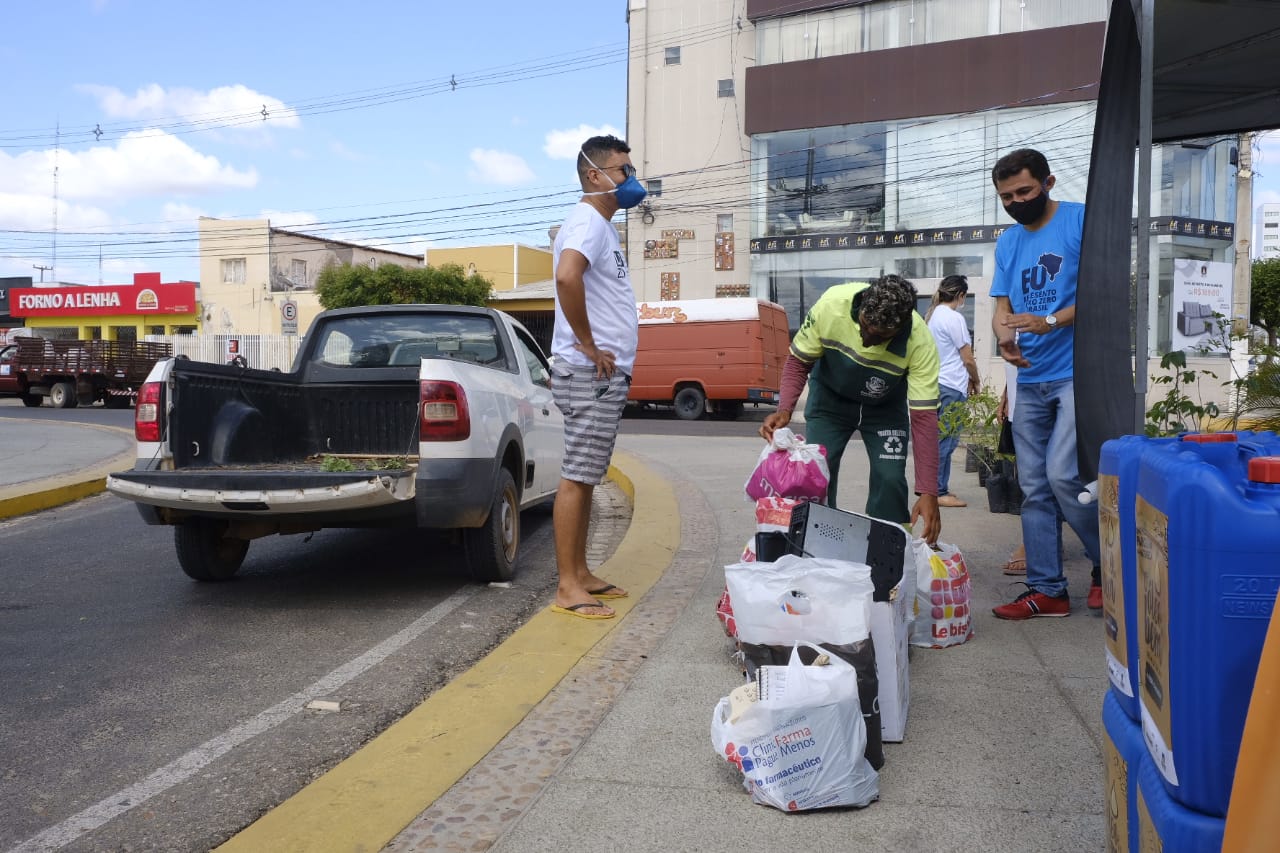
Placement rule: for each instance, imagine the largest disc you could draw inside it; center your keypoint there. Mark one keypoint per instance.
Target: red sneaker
(1095, 597)
(1032, 604)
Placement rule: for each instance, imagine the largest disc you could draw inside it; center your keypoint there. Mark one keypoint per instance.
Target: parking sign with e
(289, 317)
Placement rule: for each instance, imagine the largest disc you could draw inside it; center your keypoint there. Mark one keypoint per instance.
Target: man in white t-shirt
(593, 350)
(957, 372)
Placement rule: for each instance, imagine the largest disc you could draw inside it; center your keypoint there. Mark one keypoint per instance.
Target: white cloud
(346, 153)
(181, 215)
(34, 212)
(138, 164)
(499, 167)
(290, 218)
(234, 107)
(565, 144)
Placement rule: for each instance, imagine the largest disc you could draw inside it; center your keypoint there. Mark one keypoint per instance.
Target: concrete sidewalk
(591, 736)
(1004, 738)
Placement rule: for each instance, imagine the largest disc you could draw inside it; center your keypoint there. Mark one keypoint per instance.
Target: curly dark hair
(889, 302)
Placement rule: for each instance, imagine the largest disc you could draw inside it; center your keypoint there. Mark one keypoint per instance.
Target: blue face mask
(629, 193)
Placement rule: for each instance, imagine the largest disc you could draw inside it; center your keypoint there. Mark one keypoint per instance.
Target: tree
(348, 285)
(1264, 298)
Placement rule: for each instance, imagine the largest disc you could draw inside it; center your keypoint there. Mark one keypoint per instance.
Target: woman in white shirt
(957, 373)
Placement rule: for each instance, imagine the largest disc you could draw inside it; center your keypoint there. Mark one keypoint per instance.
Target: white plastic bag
(801, 745)
(943, 609)
(801, 600)
(789, 468)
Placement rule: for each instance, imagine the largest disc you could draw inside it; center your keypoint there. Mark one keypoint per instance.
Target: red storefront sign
(106, 301)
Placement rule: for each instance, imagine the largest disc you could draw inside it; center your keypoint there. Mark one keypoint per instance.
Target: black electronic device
(821, 531)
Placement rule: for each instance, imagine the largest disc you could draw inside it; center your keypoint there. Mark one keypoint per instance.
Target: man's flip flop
(609, 591)
(576, 610)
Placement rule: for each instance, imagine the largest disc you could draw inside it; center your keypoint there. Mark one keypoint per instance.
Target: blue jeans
(947, 444)
(1044, 438)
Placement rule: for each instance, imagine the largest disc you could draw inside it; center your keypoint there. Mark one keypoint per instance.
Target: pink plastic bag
(789, 468)
(774, 514)
(724, 609)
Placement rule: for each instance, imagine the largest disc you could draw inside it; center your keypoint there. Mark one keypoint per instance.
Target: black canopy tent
(1207, 68)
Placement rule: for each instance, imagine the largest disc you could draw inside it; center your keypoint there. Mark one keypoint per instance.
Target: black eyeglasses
(628, 171)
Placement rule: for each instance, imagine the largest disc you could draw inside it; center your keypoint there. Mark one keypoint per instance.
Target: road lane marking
(186, 766)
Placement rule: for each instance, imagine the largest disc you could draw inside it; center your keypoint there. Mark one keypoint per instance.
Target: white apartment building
(790, 145)
(1269, 216)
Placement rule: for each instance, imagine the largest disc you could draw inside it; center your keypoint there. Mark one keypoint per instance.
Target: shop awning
(1211, 71)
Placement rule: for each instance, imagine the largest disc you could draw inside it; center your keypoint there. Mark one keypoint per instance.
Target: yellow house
(508, 266)
(249, 270)
(534, 305)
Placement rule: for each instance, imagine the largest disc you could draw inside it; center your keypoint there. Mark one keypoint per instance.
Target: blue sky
(366, 138)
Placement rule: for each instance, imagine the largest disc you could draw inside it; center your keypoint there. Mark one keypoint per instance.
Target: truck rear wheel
(690, 403)
(63, 395)
(491, 549)
(205, 552)
(32, 400)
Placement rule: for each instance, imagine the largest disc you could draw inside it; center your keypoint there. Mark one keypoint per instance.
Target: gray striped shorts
(592, 408)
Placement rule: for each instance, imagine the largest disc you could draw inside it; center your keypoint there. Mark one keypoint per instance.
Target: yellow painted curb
(49, 498)
(64, 488)
(364, 802)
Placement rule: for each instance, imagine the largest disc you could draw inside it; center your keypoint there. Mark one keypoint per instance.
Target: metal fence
(261, 351)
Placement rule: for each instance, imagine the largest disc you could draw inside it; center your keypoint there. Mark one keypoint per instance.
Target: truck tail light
(444, 413)
(146, 415)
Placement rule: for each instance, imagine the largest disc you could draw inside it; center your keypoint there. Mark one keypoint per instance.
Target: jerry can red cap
(1210, 437)
(1264, 469)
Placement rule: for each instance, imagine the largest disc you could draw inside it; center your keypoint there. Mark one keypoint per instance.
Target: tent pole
(1142, 313)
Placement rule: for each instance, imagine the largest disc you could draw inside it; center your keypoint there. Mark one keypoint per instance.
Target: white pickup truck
(435, 416)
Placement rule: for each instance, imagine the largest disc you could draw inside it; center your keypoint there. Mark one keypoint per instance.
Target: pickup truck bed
(237, 453)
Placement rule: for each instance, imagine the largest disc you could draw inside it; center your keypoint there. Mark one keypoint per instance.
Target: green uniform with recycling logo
(871, 390)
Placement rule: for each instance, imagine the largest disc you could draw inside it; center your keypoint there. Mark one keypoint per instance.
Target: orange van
(722, 352)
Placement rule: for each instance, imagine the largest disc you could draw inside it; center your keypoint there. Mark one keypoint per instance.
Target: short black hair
(598, 148)
(1015, 161)
(889, 302)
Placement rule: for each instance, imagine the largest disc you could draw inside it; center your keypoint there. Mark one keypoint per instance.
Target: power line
(588, 59)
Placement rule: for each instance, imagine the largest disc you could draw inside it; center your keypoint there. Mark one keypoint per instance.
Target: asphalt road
(115, 666)
(143, 711)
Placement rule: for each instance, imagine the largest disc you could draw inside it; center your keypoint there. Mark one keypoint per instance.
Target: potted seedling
(978, 419)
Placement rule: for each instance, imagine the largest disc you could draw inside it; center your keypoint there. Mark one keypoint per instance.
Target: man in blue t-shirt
(1037, 262)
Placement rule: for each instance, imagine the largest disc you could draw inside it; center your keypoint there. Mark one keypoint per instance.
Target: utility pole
(42, 271)
(57, 143)
(1241, 280)
(1244, 236)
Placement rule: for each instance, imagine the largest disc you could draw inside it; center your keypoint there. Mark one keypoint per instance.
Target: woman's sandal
(1015, 566)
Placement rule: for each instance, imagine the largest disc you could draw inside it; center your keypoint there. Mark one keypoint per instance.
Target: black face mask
(869, 340)
(1027, 212)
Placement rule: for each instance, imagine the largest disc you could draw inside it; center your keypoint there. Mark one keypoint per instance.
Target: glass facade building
(914, 197)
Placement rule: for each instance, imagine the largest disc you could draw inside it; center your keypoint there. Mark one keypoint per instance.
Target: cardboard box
(890, 628)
